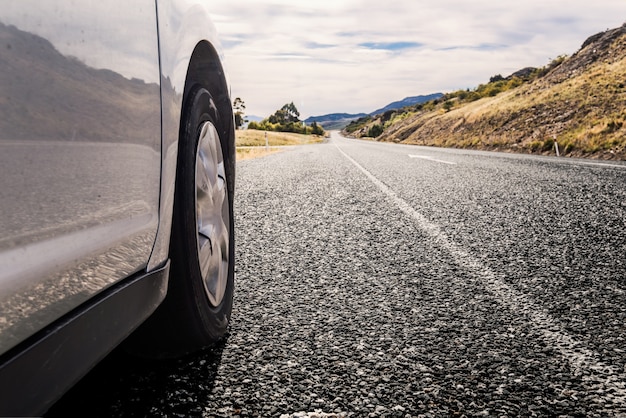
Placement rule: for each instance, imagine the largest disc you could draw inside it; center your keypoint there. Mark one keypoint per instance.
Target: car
(117, 181)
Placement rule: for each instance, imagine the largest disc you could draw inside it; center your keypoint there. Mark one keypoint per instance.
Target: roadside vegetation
(252, 143)
(283, 128)
(287, 119)
(576, 105)
(497, 84)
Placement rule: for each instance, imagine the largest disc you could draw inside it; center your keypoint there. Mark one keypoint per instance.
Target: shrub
(548, 144)
(612, 126)
(355, 125)
(387, 115)
(375, 130)
(317, 129)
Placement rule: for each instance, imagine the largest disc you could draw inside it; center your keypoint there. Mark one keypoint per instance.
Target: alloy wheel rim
(212, 214)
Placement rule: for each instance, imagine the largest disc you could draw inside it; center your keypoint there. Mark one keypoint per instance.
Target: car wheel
(196, 311)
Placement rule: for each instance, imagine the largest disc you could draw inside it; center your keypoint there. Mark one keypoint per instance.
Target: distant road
(399, 280)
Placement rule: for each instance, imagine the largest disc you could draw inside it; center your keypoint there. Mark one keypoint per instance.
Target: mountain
(334, 120)
(334, 117)
(407, 101)
(575, 105)
(341, 120)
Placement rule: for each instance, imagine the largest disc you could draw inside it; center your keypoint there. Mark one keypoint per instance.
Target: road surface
(389, 280)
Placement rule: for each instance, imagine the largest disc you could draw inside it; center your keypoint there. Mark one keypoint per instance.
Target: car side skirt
(39, 371)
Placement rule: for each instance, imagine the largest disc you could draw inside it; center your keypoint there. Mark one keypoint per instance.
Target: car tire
(196, 311)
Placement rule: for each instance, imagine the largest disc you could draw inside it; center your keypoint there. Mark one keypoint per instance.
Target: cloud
(315, 45)
(391, 46)
(358, 55)
(289, 56)
(482, 47)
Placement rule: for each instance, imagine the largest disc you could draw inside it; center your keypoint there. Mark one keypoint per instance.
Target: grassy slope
(581, 104)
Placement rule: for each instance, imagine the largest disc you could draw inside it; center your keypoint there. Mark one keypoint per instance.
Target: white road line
(425, 157)
(622, 166)
(263, 146)
(607, 381)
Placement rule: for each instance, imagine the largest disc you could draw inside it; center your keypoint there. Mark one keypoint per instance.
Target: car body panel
(91, 95)
(41, 369)
(183, 25)
(80, 154)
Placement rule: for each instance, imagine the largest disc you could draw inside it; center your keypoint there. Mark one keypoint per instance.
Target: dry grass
(580, 105)
(251, 143)
(250, 153)
(252, 138)
(584, 111)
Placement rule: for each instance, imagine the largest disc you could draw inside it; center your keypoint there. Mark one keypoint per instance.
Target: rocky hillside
(579, 102)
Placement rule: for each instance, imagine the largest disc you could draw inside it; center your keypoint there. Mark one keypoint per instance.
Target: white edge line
(607, 381)
(597, 164)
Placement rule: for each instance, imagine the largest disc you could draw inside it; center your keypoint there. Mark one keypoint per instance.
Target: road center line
(425, 157)
(607, 381)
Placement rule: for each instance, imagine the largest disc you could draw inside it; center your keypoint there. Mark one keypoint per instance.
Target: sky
(352, 56)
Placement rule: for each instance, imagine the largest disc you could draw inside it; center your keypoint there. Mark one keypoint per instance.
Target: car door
(80, 145)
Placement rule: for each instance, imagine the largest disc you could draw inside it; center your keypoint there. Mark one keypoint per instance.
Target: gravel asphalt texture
(380, 280)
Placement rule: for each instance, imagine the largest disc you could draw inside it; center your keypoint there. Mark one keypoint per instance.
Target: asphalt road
(388, 280)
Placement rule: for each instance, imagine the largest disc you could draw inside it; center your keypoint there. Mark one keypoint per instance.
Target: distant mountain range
(334, 117)
(340, 120)
(407, 101)
(334, 120)
(252, 118)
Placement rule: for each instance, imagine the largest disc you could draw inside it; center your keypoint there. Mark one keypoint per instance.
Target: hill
(579, 102)
(341, 120)
(407, 101)
(334, 120)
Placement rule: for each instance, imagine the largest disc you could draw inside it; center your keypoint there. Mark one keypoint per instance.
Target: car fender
(186, 36)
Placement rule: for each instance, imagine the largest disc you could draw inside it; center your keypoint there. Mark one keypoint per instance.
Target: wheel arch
(205, 69)
(190, 53)
(180, 309)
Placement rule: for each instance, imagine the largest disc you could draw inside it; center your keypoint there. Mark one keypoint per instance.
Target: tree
(239, 108)
(316, 129)
(285, 115)
(287, 119)
(292, 112)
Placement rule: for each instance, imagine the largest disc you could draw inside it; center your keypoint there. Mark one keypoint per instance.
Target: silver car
(117, 169)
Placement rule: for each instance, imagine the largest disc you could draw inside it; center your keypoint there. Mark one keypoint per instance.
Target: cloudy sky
(354, 56)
